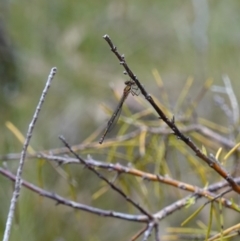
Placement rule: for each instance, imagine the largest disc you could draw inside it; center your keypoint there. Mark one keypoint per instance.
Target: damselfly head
(129, 82)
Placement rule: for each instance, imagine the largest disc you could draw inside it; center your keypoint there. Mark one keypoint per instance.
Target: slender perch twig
(171, 123)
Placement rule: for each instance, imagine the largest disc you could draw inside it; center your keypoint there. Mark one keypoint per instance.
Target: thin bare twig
(148, 231)
(118, 190)
(155, 130)
(166, 211)
(232, 98)
(228, 90)
(139, 233)
(69, 203)
(156, 228)
(17, 188)
(146, 176)
(171, 123)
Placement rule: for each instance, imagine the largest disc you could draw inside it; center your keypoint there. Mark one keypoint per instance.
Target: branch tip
(105, 36)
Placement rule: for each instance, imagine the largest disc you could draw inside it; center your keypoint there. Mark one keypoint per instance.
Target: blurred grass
(68, 34)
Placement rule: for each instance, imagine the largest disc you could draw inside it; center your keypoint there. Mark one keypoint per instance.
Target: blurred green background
(181, 38)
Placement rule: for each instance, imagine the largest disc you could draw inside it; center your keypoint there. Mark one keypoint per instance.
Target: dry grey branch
(60, 200)
(17, 188)
(148, 232)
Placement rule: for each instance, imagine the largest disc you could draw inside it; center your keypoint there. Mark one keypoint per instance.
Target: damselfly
(129, 88)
